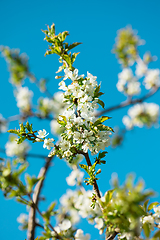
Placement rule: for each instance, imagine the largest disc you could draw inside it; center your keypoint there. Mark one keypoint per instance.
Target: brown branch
(36, 207)
(95, 185)
(128, 102)
(37, 191)
(112, 236)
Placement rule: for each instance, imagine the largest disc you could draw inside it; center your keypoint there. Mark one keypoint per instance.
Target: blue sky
(94, 23)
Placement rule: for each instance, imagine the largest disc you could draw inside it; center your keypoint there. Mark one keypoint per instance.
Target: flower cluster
(82, 131)
(14, 149)
(153, 218)
(48, 143)
(142, 114)
(54, 106)
(76, 176)
(128, 83)
(23, 96)
(76, 204)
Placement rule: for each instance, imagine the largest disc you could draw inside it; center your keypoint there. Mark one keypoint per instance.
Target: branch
(112, 236)
(37, 191)
(36, 207)
(128, 102)
(95, 185)
(27, 155)
(24, 117)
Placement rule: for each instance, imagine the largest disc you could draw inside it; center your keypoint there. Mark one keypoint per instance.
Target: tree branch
(128, 102)
(37, 191)
(95, 185)
(112, 236)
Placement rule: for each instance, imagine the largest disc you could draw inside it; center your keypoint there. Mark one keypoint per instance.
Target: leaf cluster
(18, 64)
(59, 47)
(126, 46)
(24, 132)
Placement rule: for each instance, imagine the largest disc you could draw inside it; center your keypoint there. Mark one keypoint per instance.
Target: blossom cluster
(76, 205)
(129, 84)
(153, 218)
(142, 114)
(82, 131)
(14, 149)
(23, 96)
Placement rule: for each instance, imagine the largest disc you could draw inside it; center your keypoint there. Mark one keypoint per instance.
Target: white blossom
(65, 225)
(80, 236)
(42, 133)
(14, 149)
(75, 176)
(152, 78)
(141, 68)
(23, 97)
(55, 127)
(22, 218)
(99, 224)
(142, 114)
(65, 145)
(127, 122)
(128, 236)
(48, 143)
(126, 74)
(148, 219)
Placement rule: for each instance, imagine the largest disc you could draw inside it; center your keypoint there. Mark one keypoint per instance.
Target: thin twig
(34, 155)
(36, 207)
(128, 102)
(95, 185)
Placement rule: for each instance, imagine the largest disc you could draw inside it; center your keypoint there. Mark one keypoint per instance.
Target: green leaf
(18, 199)
(67, 58)
(64, 118)
(152, 205)
(101, 120)
(64, 35)
(102, 154)
(73, 58)
(101, 103)
(108, 196)
(73, 45)
(146, 229)
(53, 29)
(145, 205)
(157, 234)
(85, 167)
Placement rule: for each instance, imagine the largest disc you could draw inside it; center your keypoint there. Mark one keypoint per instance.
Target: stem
(34, 155)
(128, 102)
(37, 191)
(95, 185)
(112, 236)
(36, 207)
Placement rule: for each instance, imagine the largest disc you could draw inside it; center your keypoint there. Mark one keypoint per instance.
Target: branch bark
(37, 191)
